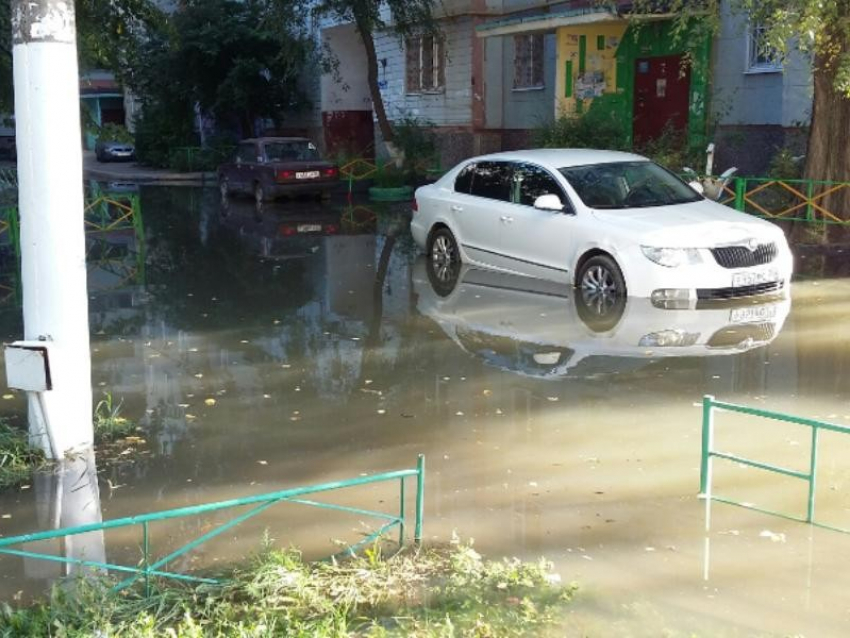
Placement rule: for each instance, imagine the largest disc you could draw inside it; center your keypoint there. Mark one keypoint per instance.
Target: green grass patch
(422, 593)
(18, 459)
(109, 425)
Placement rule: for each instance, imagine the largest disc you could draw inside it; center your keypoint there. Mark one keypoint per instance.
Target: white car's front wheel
(601, 278)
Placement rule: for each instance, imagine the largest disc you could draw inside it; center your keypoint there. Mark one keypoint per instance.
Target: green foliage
(18, 459)
(115, 133)
(429, 593)
(599, 129)
(671, 149)
(237, 61)
(109, 425)
(784, 165)
(416, 140)
(592, 130)
(388, 176)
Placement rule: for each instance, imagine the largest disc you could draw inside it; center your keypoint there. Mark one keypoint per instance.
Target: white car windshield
(628, 185)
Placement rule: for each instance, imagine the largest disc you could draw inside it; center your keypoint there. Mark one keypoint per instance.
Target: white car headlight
(669, 339)
(672, 257)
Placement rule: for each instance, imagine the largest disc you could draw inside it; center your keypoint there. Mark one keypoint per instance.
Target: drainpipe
(50, 192)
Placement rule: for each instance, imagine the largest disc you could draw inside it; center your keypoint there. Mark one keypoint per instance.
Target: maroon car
(269, 167)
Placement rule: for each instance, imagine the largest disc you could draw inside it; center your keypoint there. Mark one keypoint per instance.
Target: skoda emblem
(752, 245)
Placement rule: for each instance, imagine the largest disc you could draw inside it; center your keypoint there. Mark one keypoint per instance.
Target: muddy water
(309, 343)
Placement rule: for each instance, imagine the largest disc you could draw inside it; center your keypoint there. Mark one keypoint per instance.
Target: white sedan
(611, 223)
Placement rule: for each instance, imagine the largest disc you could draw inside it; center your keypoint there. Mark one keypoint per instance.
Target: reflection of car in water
(546, 329)
(287, 231)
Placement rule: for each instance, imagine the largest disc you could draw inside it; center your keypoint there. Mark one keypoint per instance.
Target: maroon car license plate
(306, 174)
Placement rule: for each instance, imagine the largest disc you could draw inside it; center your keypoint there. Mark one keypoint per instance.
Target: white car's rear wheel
(443, 250)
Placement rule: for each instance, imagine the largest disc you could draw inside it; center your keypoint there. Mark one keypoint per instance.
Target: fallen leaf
(209, 401)
(263, 462)
(8, 397)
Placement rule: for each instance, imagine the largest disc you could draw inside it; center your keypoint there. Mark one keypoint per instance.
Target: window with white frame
(761, 57)
(528, 61)
(425, 64)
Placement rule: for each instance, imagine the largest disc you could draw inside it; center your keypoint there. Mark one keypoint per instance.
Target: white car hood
(702, 224)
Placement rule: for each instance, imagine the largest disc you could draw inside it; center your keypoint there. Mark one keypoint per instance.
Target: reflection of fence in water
(104, 214)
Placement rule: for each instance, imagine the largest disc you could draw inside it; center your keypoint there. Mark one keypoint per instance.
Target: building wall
(756, 113)
(585, 49)
(741, 97)
(450, 107)
(523, 108)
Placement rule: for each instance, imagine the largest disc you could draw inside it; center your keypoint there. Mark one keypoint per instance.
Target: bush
(159, 130)
(415, 139)
(784, 165)
(595, 129)
(115, 133)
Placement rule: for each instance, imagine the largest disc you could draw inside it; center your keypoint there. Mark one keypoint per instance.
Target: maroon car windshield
(296, 151)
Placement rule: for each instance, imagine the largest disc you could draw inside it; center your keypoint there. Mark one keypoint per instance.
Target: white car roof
(563, 157)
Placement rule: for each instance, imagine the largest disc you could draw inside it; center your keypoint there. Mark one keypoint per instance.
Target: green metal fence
(158, 568)
(710, 406)
(798, 200)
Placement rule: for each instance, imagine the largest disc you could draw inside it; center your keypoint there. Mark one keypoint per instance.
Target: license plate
(754, 278)
(752, 313)
(306, 174)
(309, 228)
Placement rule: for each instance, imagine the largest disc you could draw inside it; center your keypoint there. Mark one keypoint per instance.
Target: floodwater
(309, 343)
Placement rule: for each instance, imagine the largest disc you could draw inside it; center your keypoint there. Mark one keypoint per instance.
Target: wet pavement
(309, 342)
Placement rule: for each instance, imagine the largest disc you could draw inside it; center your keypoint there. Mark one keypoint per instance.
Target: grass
(109, 425)
(425, 593)
(18, 459)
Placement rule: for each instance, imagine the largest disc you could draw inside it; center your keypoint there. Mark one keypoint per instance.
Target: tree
(407, 18)
(817, 28)
(235, 60)
(107, 31)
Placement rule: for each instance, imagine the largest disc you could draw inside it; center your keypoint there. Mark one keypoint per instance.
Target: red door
(662, 87)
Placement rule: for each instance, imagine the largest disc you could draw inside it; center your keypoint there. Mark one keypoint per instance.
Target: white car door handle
(507, 220)
(457, 209)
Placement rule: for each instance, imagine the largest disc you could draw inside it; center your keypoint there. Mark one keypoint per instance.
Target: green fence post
(810, 190)
(147, 562)
(740, 190)
(420, 497)
(707, 440)
(810, 510)
(401, 512)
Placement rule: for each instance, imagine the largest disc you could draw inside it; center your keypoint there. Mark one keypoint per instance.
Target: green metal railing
(158, 568)
(709, 406)
(798, 200)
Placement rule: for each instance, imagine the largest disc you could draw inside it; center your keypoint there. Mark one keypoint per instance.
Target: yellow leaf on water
(209, 401)
(8, 397)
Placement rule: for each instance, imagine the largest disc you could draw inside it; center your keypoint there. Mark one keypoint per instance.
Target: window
(761, 58)
(463, 183)
(247, 153)
(622, 185)
(426, 64)
(528, 61)
(532, 182)
(294, 151)
(493, 181)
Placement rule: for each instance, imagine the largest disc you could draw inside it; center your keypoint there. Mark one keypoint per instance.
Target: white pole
(50, 183)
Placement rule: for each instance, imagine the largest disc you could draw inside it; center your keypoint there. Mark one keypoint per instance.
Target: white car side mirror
(548, 202)
(697, 186)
